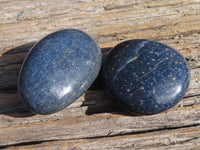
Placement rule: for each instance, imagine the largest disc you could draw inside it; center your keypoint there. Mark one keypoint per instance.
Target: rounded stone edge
(27, 55)
(127, 110)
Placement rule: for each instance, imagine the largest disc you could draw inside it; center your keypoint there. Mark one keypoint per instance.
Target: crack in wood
(108, 136)
(185, 141)
(26, 143)
(191, 95)
(142, 132)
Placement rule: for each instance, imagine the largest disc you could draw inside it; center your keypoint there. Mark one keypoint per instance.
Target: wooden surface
(93, 122)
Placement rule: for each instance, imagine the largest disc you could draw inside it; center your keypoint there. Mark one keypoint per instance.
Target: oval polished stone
(58, 70)
(145, 77)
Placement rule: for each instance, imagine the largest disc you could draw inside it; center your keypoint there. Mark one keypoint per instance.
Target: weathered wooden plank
(93, 121)
(107, 21)
(185, 138)
(74, 123)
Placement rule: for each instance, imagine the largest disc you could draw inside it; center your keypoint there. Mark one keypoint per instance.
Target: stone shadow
(10, 63)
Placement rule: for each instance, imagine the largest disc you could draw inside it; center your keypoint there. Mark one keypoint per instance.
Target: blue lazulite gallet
(145, 77)
(58, 70)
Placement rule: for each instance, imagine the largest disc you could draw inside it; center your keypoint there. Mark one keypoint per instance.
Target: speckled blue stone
(145, 77)
(58, 70)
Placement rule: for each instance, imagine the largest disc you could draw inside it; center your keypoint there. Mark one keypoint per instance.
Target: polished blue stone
(58, 70)
(145, 77)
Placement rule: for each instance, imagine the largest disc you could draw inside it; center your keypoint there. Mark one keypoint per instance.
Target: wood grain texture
(93, 121)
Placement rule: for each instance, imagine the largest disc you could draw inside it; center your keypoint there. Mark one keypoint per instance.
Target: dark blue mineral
(145, 77)
(58, 70)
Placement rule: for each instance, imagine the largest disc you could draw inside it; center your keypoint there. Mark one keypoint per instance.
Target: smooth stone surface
(145, 77)
(58, 70)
